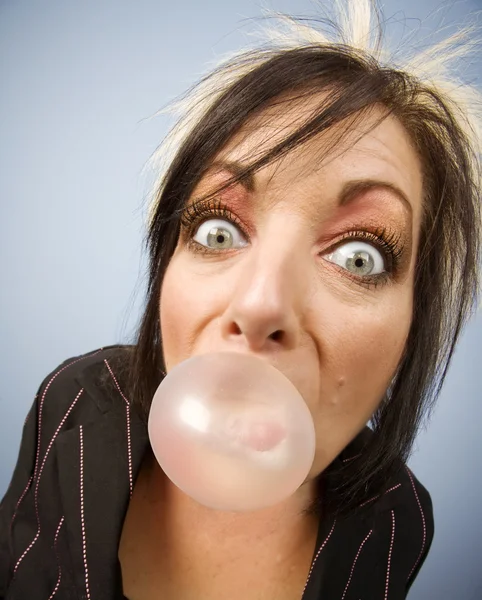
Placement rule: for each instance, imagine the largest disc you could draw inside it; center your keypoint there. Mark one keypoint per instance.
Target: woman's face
(309, 265)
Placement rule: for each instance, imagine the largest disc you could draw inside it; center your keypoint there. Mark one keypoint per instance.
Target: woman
(319, 210)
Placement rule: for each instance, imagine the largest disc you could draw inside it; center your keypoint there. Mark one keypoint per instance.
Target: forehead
(369, 145)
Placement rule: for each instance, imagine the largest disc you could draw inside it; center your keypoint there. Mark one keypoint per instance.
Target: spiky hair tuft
(359, 26)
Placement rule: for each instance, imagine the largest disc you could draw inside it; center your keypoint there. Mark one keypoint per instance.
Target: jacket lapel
(98, 463)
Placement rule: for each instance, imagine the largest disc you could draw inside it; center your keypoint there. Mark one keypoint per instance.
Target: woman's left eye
(359, 258)
(219, 234)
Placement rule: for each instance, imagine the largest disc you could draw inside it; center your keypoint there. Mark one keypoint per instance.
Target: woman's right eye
(219, 234)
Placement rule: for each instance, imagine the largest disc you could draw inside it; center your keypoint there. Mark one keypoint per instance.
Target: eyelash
(387, 242)
(195, 214)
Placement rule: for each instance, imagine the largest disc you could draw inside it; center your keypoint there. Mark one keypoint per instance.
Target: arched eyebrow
(353, 188)
(349, 192)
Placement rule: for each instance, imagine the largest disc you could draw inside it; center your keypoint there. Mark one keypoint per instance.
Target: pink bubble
(231, 431)
(258, 435)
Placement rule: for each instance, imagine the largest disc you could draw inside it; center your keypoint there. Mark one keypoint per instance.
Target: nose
(268, 302)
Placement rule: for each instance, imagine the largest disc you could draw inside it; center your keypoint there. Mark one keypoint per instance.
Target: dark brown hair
(446, 278)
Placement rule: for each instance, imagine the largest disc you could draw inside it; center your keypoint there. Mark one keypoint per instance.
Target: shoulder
(406, 505)
(412, 507)
(395, 525)
(412, 524)
(403, 491)
(378, 550)
(416, 520)
(415, 495)
(82, 384)
(403, 526)
(78, 364)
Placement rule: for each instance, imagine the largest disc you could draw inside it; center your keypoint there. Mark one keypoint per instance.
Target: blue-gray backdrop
(78, 80)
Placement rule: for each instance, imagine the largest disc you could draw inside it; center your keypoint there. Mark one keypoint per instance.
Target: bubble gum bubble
(231, 431)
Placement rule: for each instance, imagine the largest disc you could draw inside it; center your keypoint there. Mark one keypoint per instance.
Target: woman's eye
(219, 234)
(359, 258)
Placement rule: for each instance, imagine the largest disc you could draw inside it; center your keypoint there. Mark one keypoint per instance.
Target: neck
(208, 528)
(186, 541)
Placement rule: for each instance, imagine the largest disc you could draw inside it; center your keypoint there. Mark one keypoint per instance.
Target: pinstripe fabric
(82, 447)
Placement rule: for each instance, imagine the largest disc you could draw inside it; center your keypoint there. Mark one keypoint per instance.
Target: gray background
(78, 81)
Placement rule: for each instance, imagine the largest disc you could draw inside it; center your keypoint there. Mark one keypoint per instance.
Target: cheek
(369, 350)
(174, 314)
(184, 304)
(359, 365)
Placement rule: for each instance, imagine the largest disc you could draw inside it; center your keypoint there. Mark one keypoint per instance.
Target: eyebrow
(237, 170)
(350, 191)
(355, 187)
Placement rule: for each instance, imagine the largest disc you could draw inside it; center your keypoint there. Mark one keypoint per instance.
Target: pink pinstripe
(128, 421)
(395, 487)
(28, 414)
(38, 479)
(82, 519)
(345, 460)
(42, 403)
(28, 483)
(129, 450)
(318, 554)
(58, 559)
(354, 563)
(20, 500)
(390, 554)
(39, 426)
(424, 525)
(115, 381)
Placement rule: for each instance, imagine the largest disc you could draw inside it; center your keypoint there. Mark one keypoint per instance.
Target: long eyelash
(389, 243)
(195, 214)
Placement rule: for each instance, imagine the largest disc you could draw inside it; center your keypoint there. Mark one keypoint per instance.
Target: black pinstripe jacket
(62, 515)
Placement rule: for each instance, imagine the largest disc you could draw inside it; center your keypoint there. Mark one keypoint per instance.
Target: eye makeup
(387, 240)
(193, 215)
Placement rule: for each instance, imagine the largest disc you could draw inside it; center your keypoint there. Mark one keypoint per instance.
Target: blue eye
(359, 258)
(219, 234)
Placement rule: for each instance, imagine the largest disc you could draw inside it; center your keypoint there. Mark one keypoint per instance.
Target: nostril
(277, 335)
(235, 329)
